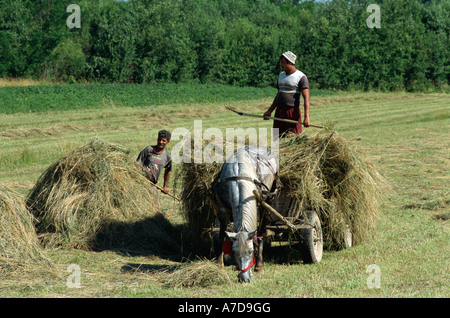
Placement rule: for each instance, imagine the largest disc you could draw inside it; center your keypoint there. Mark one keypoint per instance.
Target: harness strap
(258, 183)
(249, 266)
(234, 179)
(226, 249)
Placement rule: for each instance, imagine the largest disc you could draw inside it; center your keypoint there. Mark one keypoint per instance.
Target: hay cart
(286, 222)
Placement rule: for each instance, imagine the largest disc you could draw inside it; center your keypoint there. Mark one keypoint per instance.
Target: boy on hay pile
(153, 159)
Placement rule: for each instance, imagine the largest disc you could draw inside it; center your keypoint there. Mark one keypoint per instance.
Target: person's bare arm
(305, 94)
(166, 181)
(268, 113)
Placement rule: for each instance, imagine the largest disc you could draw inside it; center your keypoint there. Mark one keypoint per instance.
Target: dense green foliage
(235, 42)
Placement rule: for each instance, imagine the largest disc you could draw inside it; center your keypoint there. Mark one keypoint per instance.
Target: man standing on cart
(291, 84)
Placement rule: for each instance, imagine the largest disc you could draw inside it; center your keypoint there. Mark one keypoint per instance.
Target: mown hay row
(200, 273)
(95, 198)
(19, 244)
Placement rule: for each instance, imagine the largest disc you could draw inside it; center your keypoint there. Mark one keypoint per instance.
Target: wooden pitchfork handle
(273, 118)
(273, 211)
(162, 190)
(157, 186)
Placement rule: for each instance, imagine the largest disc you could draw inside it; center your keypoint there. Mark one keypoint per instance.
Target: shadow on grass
(281, 254)
(152, 236)
(157, 236)
(148, 268)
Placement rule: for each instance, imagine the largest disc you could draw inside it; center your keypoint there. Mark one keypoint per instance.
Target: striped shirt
(290, 88)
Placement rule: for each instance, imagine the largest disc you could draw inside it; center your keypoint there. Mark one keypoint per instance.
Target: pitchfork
(273, 118)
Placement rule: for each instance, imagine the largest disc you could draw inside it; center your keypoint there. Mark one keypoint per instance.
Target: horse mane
(252, 163)
(242, 238)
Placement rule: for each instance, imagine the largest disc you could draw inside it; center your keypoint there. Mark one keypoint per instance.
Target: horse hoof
(259, 269)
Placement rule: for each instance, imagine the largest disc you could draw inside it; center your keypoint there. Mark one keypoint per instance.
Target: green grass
(40, 98)
(405, 135)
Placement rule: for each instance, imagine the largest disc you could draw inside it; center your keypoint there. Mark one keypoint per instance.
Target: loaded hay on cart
(321, 172)
(326, 174)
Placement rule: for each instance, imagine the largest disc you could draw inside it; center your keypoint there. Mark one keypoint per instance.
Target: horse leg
(259, 261)
(222, 236)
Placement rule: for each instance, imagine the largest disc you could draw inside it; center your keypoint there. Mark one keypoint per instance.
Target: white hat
(291, 57)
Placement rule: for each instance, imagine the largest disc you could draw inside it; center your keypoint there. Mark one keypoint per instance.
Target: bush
(66, 62)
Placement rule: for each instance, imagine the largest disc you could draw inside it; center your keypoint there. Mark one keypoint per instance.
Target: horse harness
(259, 185)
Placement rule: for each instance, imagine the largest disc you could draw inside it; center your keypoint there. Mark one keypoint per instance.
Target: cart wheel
(311, 246)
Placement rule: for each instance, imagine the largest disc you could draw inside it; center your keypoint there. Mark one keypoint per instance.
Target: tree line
(235, 42)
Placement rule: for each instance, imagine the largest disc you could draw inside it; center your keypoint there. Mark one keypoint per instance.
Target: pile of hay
(322, 171)
(328, 175)
(95, 198)
(19, 244)
(202, 273)
(198, 213)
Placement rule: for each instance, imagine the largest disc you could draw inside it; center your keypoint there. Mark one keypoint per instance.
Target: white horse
(249, 168)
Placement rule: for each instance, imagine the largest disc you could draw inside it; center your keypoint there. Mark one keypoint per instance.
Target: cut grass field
(405, 134)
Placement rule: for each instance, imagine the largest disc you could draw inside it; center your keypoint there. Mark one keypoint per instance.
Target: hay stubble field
(405, 134)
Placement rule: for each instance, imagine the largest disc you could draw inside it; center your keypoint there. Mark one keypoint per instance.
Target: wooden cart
(286, 222)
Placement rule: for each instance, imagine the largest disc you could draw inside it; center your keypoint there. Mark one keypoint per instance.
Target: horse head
(242, 248)
(249, 169)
